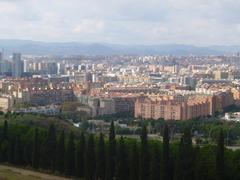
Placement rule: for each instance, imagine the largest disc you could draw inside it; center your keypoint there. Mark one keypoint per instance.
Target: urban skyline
(120, 90)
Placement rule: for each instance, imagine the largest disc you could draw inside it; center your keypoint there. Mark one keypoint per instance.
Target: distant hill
(76, 48)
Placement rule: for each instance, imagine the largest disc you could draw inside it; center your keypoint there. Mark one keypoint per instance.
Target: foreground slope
(13, 173)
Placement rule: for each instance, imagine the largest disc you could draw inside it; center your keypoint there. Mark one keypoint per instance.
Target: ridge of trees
(104, 157)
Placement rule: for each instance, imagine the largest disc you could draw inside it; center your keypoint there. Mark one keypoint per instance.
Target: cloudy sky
(199, 22)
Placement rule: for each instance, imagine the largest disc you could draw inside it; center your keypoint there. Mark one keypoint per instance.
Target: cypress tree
(28, 153)
(50, 149)
(155, 164)
(101, 159)
(110, 171)
(90, 161)
(144, 161)
(60, 153)
(122, 164)
(5, 130)
(80, 157)
(43, 150)
(70, 156)
(5, 144)
(220, 157)
(36, 147)
(11, 152)
(166, 155)
(17, 152)
(185, 163)
(134, 163)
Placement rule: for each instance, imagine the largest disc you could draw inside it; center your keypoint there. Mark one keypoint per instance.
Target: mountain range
(76, 48)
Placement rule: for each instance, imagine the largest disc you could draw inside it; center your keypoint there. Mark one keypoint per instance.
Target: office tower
(25, 66)
(6, 66)
(52, 68)
(1, 62)
(60, 69)
(17, 63)
(220, 75)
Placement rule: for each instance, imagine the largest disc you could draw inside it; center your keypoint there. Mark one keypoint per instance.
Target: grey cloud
(125, 21)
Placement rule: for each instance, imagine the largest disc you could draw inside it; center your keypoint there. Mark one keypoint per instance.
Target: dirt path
(32, 173)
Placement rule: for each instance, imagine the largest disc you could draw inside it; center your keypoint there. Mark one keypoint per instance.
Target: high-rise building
(221, 75)
(60, 69)
(25, 66)
(17, 63)
(52, 68)
(1, 56)
(6, 66)
(1, 62)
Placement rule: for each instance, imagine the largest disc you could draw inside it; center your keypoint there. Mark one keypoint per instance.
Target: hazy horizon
(195, 22)
(113, 43)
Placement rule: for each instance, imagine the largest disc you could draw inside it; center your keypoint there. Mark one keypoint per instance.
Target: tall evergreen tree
(50, 149)
(90, 161)
(80, 156)
(28, 153)
(101, 159)
(166, 155)
(70, 156)
(5, 130)
(155, 164)
(11, 151)
(18, 152)
(36, 148)
(111, 158)
(122, 163)
(60, 153)
(5, 144)
(134, 163)
(185, 163)
(144, 161)
(220, 157)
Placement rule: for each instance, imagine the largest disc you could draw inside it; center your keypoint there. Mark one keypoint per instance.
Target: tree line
(102, 157)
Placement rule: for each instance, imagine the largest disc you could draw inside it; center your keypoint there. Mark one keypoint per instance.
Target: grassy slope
(12, 173)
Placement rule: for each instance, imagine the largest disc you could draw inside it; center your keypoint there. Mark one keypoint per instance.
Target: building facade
(149, 108)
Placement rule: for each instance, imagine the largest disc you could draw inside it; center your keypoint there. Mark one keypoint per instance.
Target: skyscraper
(52, 68)
(1, 62)
(25, 66)
(1, 56)
(17, 63)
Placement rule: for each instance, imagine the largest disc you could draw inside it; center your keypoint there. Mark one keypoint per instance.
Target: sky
(197, 22)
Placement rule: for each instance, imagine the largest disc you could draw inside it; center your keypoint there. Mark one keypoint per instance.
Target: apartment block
(148, 108)
(47, 96)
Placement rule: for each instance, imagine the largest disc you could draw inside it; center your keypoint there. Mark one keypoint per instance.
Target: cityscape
(119, 90)
(90, 92)
(147, 87)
